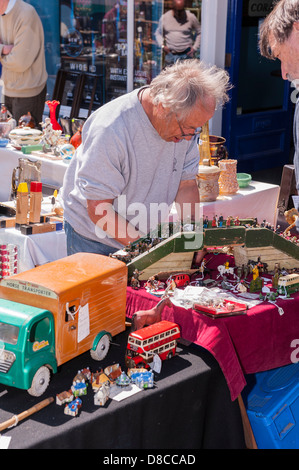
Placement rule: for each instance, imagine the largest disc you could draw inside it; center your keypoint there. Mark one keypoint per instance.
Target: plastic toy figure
(214, 221)
(148, 317)
(255, 272)
(135, 284)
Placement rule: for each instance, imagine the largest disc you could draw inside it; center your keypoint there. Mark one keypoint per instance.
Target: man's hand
(191, 52)
(6, 49)
(114, 225)
(187, 200)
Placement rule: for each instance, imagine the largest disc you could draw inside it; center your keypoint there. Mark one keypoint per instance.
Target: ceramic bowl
(243, 179)
(3, 142)
(25, 136)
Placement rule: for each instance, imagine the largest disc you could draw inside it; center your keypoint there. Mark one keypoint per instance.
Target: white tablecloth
(35, 249)
(52, 171)
(257, 200)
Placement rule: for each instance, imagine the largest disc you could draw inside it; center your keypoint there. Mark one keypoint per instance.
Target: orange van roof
(70, 271)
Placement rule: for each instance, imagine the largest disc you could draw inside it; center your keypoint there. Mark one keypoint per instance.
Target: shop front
(97, 50)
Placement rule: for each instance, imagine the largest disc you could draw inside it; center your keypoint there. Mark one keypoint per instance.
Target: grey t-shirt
(122, 157)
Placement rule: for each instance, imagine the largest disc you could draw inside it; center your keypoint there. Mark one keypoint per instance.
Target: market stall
(238, 343)
(199, 414)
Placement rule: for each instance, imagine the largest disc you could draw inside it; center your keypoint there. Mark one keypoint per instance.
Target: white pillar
(213, 42)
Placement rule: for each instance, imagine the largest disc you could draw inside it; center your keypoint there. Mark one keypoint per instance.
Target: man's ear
(296, 26)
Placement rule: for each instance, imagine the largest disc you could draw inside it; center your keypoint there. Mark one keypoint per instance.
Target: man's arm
(187, 200)
(107, 219)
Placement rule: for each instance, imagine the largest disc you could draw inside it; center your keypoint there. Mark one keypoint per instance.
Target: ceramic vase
(228, 183)
(207, 180)
(52, 107)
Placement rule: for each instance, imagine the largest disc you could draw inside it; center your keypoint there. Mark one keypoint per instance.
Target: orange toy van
(54, 312)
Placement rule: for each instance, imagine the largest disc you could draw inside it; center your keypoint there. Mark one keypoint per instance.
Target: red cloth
(244, 344)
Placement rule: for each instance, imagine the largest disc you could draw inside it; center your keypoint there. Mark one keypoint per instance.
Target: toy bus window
(9, 333)
(150, 340)
(167, 333)
(138, 342)
(162, 335)
(156, 338)
(40, 330)
(145, 342)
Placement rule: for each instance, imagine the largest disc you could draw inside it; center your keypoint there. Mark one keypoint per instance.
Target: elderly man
(138, 154)
(279, 39)
(178, 33)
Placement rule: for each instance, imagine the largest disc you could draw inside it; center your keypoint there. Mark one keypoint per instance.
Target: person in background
(139, 152)
(279, 39)
(178, 33)
(22, 57)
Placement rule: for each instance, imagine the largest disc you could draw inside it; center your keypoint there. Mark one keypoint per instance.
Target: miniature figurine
(143, 379)
(241, 287)
(98, 379)
(64, 397)
(72, 409)
(135, 284)
(148, 317)
(79, 388)
(224, 269)
(214, 221)
(257, 282)
(113, 372)
(180, 279)
(123, 380)
(102, 394)
(158, 341)
(291, 217)
(27, 120)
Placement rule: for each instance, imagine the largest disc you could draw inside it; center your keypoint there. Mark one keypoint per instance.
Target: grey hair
(180, 86)
(279, 23)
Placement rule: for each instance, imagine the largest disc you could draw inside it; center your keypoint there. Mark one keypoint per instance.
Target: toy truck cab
(58, 311)
(27, 346)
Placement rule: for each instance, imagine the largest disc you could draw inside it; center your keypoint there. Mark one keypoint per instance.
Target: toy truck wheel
(100, 352)
(40, 382)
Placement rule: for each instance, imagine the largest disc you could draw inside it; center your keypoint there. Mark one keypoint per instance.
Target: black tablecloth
(189, 408)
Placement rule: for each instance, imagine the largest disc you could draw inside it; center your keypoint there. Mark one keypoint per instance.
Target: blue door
(257, 122)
